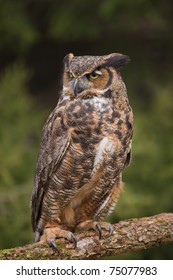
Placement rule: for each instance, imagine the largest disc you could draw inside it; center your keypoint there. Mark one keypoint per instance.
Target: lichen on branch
(129, 235)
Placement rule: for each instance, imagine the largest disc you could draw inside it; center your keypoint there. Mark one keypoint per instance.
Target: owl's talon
(74, 240)
(99, 230)
(111, 230)
(53, 245)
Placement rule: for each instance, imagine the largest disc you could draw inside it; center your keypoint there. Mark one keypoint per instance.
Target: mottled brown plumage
(85, 146)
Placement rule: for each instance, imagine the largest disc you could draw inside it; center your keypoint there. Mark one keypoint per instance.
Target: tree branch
(129, 235)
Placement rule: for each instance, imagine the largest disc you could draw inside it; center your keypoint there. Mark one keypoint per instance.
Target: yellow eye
(70, 75)
(94, 75)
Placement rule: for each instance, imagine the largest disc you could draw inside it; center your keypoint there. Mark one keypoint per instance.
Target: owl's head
(92, 74)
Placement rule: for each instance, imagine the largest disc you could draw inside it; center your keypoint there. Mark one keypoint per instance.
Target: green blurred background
(35, 35)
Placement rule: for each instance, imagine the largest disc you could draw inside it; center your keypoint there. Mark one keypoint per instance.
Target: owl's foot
(50, 234)
(98, 226)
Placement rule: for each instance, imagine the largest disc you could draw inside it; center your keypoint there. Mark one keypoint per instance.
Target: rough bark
(129, 235)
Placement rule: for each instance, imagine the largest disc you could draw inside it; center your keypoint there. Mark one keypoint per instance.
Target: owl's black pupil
(94, 74)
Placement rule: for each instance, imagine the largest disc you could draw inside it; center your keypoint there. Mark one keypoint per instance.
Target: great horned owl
(86, 144)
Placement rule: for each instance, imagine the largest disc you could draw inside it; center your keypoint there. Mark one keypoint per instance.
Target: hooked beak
(78, 86)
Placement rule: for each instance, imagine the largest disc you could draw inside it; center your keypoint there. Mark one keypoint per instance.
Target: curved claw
(74, 240)
(111, 230)
(99, 230)
(53, 245)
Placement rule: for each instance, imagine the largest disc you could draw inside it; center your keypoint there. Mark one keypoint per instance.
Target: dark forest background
(35, 35)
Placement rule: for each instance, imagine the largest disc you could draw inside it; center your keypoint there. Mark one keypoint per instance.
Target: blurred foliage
(16, 28)
(104, 17)
(20, 128)
(35, 35)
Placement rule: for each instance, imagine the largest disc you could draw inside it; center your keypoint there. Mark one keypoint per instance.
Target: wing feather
(54, 144)
(129, 154)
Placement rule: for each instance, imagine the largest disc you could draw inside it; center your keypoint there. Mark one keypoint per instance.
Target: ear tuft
(68, 58)
(116, 60)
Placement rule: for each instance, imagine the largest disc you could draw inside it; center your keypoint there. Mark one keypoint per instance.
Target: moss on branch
(129, 235)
